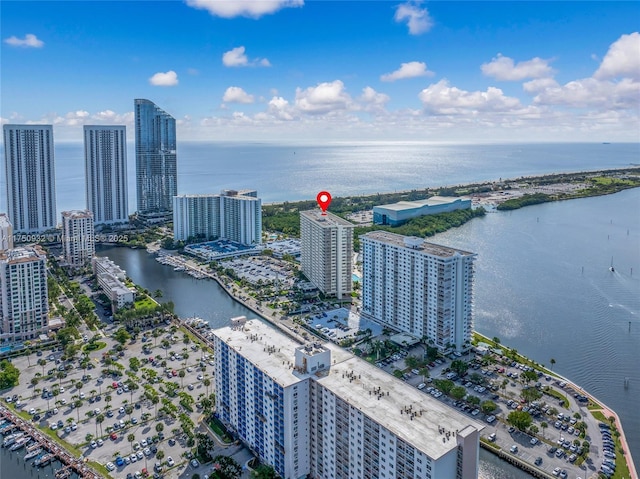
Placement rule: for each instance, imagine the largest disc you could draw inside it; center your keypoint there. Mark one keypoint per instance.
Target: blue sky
(328, 70)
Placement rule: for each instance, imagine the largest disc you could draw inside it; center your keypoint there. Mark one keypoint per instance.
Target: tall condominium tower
(24, 305)
(326, 252)
(315, 410)
(6, 230)
(105, 164)
(30, 176)
(78, 239)
(156, 170)
(233, 215)
(420, 288)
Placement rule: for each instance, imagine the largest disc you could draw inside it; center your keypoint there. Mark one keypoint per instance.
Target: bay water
(292, 171)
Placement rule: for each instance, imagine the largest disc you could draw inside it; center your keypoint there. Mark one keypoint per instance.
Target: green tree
(411, 361)
(122, 336)
(520, 420)
(264, 471)
(544, 426)
(530, 394)
(9, 375)
(488, 407)
(473, 400)
(226, 467)
(458, 392)
(552, 361)
(444, 385)
(459, 367)
(131, 437)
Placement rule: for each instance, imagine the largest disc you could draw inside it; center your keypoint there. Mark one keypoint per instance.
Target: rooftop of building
(240, 194)
(107, 264)
(77, 214)
(22, 254)
(407, 412)
(432, 201)
(325, 220)
(415, 244)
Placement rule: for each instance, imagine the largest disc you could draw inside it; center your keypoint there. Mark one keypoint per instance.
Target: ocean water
(291, 171)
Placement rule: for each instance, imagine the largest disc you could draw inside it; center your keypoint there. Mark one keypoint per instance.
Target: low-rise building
(111, 279)
(397, 213)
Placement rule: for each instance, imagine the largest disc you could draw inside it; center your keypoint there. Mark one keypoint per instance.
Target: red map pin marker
(324, 200)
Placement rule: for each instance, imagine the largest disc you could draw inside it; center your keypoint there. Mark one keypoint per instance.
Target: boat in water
(43, 460)
(33, 453)
(11, 439)
(20, 443)
(611, 268)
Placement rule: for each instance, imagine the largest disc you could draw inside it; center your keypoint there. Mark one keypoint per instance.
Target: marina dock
(70, 464)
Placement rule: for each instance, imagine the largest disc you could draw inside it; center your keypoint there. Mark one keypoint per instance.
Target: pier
(70, 463)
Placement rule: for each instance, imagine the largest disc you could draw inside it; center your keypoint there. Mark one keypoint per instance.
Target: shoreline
(484, 183)
(604, 409)
(282, 326)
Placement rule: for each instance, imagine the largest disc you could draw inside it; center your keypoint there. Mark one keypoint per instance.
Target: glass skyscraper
(156, 171)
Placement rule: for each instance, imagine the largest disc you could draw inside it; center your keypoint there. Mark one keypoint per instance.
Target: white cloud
(592, 93)
(443, 99)
(418, 19)
(236, 57)
(243, 8)
(407, 70)
(622, 59)
(29, 41)
(539, 84)
(169, 78)
(280, 109)
(324, 98)
(503, 68)
(235, 94)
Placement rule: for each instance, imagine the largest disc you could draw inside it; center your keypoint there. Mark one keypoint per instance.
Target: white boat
(20, 443)
(32, 454)
(611, 268)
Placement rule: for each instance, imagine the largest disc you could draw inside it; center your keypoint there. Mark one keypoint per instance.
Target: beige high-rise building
(78, 238)
(24, 301)
(327, 252)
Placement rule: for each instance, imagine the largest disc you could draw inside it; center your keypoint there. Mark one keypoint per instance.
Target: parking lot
(262, 269)
(554, 449)
(113, 422)
(341, 323)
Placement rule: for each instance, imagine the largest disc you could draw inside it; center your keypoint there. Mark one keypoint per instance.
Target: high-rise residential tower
(233, 215)
(417, 287)
(24, 304)
(78, 238)
(105, 163)
(156, 169)
(316, 410)
(327, 252)
(30, 176)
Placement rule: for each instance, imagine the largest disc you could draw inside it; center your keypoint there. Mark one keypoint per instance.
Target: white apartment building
(316, 410)
(6, 233)
(30, 177)
(78, 237)
(24, 301)
(105, 163)
(111, 279)
(232, 215)
(417, 287)
(327, 252)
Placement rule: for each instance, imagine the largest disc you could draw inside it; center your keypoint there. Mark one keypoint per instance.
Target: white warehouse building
(316, 410)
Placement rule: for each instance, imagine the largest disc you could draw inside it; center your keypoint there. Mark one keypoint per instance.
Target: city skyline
(330, 70)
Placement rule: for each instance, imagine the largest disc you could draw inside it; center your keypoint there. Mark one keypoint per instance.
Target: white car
(110, 466)
(170, 461)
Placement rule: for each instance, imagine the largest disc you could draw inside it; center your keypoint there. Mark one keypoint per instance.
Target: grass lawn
(144, 302)
(219, 429)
